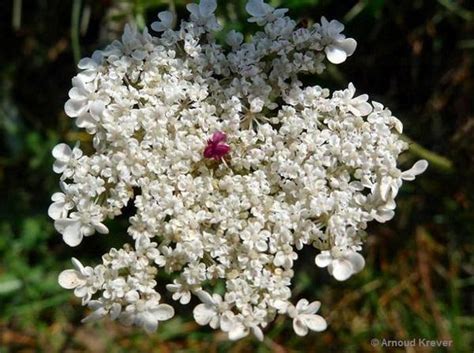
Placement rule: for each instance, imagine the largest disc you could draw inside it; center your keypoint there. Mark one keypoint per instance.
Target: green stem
(16, 16)
(75, 23)
(457, 9)
(435, 159)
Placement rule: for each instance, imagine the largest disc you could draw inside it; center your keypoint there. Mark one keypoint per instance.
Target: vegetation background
(415, 56)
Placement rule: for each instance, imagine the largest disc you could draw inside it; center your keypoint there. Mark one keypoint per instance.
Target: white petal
(56, 210)
(163, 312)
(324, 22)
(86, 121)
(299, 327)
(281, 305)
(234, 38)
(81, 291)
(291, 311)
(207, 7)
(185, 298)
(85, 89)
(384, 215)
(257, 331)
(94, 316)
(173, 287)
(193, 9)
(418, 168)
(357, 261)
(205, 297)
(59, 167)
(312, 308)
(58, 196)
(158, 26)
(69, 279)
(78, 266)
(77, 94)
(257, 8)
(96, 109)
(139, 54)
(132, 296)
(335, 54)
(87, 63)
(341, 269)
(72, 234)
(62, 152)
(166, 18)
(203, 314)
(101, 228)
(397, 125)
(150, 324)
(115, 311)
(302, 304)
(227, 321)
(238, 331)
(314, 322)
(364, 108)
(335, 27)
(384, 188)
(349, 45)
(87, 75)
(323, 259)
(74, 108)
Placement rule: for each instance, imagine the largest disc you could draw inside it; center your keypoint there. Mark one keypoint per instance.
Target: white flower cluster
(232, 166)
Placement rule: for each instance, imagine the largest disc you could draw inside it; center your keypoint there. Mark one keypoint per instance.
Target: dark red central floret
(216, 147)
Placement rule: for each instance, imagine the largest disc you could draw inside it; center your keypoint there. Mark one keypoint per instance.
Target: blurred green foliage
(416, 56)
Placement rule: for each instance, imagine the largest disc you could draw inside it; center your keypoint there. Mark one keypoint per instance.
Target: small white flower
(146, 314)
(83, 101)
(285, 257)
(84, 280)
(234, 38)
(235, 327)
(144, 246)
(262, 12)
(337, 47)
(79, 225)
(65, 156)
(166, 20)
(203, 14)
(180, 291)
(341, 263)
(390, 184)
(62, 203)
(356, 105)
(305, 318)
(210, 310)
(98, 311)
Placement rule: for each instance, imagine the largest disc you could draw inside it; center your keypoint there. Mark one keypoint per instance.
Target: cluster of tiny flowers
(231, 164)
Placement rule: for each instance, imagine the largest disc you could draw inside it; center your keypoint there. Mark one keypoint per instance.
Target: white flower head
(227, 165)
